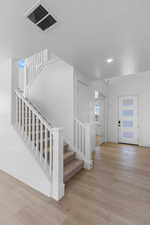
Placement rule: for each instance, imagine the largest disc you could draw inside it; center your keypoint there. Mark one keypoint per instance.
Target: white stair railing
(83, 142)
(45, 142)
(33, 66)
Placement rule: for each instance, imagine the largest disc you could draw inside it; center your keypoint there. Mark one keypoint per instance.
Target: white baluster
(25, 80)
(22, 117)
(29, 73)
(45, 56)
(79, 138)
(46, 147)
(35, 64)
(19, 113)
(29, 124)
(37, 135)
(82, 139)
(76, 135)
(17, 110)
(84, 150)
(50, 152)
(40, 58)
(41, 141)
(33, 131)
(20, 122)
(26, 121)
(38, 61)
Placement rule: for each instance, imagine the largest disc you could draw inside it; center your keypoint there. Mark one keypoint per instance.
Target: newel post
(88, 162)
(58, 164)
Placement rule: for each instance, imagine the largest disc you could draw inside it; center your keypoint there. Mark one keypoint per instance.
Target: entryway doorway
(128, 120)
(100, 118)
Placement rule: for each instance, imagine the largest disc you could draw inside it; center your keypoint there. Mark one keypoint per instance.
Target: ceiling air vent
(41, 18)
(47, 22)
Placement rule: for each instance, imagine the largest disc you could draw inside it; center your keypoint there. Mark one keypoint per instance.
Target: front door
(128, 120)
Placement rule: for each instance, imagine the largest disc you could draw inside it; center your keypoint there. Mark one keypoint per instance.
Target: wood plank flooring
(115, 192)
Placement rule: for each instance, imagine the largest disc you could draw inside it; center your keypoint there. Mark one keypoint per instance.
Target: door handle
(118, 123)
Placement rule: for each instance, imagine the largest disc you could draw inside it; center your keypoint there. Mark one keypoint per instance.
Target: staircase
(46, 143)
(71, 165)
(59, 161)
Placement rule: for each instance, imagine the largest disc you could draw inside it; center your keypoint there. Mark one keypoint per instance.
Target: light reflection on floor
(126, 152)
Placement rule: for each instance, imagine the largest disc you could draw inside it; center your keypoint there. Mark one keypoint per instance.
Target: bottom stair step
(72, 168)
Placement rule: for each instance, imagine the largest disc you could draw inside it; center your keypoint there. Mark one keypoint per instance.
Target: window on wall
(96, 94)
(97, 109)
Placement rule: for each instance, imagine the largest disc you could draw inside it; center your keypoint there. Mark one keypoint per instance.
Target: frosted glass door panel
(128, 120)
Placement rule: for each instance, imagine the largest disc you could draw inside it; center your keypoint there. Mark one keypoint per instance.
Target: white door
(83, 102)
(128, 120)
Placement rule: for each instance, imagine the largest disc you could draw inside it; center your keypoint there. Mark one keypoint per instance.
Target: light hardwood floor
(115, 192)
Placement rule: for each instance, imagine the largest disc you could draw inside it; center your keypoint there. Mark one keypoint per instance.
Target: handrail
(19, 93)
(84, 124)
(78, 121)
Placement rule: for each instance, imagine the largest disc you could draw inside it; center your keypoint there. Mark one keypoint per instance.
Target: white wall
(101, 86)
(15, 158)
(80, 78)
(130, 85)
(52, 93)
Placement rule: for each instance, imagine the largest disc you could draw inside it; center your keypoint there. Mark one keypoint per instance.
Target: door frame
(86, 85)
(102, 98)
(138, 116)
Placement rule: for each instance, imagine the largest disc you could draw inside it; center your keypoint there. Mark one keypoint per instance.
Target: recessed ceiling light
(110, 60)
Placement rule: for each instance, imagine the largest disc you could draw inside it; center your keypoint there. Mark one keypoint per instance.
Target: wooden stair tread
(66, 147)
(72, 168)
(68, 156)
